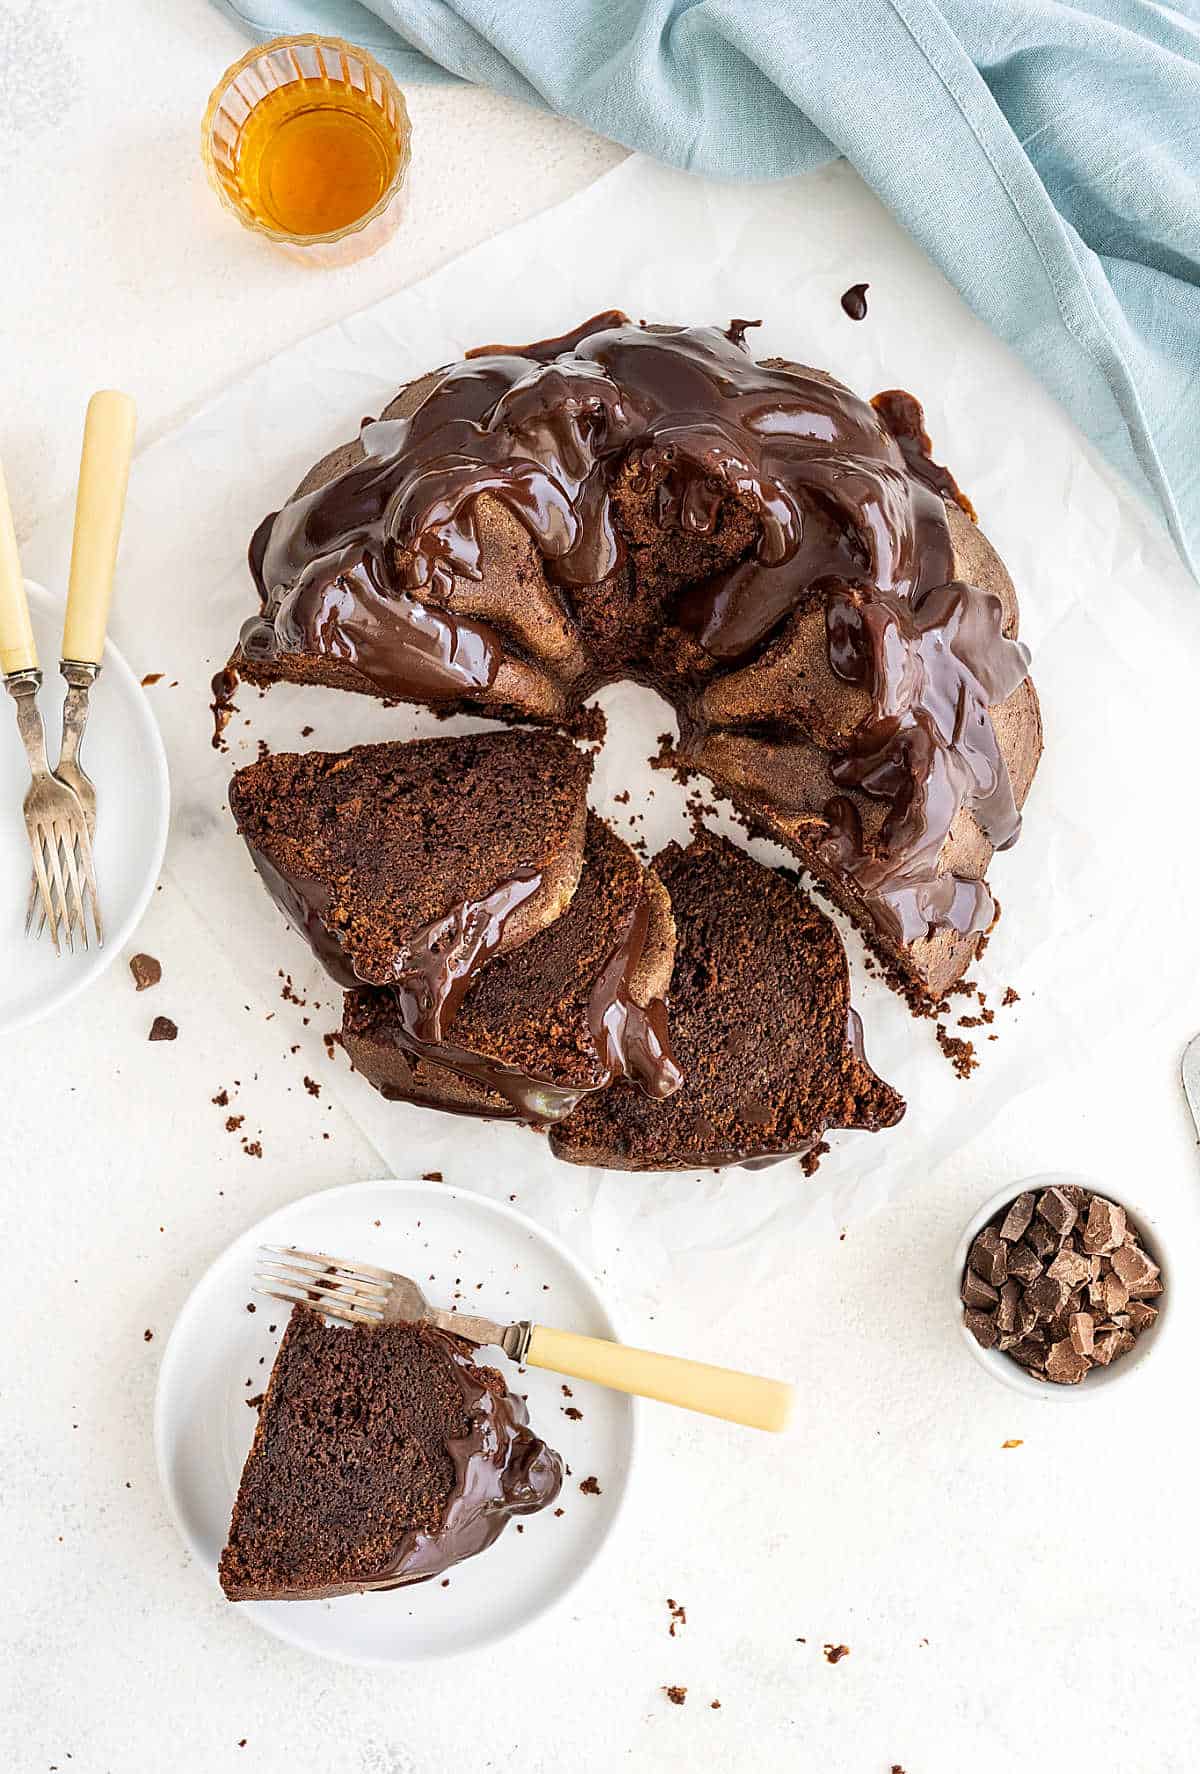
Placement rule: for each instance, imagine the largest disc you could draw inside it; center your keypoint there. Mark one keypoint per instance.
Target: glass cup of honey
(307, 140)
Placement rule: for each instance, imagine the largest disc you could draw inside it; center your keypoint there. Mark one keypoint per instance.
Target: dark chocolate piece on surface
(146, 971)
(1023, 1264)
(163, 1029)
(982, 1327)
(854, 301)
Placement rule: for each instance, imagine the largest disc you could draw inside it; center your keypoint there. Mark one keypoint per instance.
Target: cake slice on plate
(551, 1022)
(761, 1021)
(418, 861)
(383, 1455)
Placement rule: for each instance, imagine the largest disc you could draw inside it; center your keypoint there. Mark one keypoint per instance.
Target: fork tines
(352, 1292)
(64, 880)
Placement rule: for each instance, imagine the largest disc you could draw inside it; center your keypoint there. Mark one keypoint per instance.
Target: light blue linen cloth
(1045, 154)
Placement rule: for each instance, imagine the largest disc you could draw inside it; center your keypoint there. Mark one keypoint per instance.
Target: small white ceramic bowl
(1003, 1367)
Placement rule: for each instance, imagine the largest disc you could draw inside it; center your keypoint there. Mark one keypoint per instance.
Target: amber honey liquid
(315, 156)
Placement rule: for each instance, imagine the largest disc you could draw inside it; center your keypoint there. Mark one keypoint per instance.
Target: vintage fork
(357, 1293)
(54, 819)
(108, 434)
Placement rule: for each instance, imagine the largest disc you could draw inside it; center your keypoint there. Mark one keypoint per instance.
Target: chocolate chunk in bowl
(1059, 1286)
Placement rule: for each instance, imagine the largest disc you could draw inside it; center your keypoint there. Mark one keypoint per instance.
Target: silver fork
(358, 1293)
(54, 819)
(108, 434)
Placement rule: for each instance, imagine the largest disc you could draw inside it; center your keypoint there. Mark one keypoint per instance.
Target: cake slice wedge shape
(553, 1021)
(420, 861)
(765, 1035)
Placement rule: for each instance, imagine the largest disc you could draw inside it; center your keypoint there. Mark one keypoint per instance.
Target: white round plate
(123, 754)
(219, 1356)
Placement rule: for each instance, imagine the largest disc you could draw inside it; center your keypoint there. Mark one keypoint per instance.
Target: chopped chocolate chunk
(1047, 1296)
(1041, 1239)
(1106, 1226)
(1085, 1309)
(1111, 1344)
(1058, 1210)
(1006, 1311)
(989, 1257)
(1135, 1269)
(1065, 1365)
(977, 1292)
(163, 1029)
(1023, 1264)
(146, 971)
(1141, 1316)
(1016, 1220)
(1070, 1266)
(982, 1327)
(1114, 1294)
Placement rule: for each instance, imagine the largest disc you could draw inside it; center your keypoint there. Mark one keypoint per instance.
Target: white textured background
(1032, 1607)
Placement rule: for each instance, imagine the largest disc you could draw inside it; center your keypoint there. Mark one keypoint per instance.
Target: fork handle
(99, 508)
(17, 649)
(717, 1391)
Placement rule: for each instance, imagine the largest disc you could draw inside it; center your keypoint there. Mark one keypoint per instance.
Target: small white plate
(220, 1355)
(123, 754)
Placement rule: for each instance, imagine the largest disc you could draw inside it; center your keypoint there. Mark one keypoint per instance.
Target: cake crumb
(147, 1336)
(163, 1029)
(233, 1122)
(221, 1099)
(590, 1487)
(835, 1653)
(678, 1615)
(311, 1085)
(960, 1053)
(1012, 1444)
(572, 1411)
(256, 1400)
(1011, 996)
(432, 1176)
(676, 1696)
(252, 1148)
(152, 677)
(715, 1705)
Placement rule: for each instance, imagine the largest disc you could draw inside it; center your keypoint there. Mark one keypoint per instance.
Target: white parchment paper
(1097, 935)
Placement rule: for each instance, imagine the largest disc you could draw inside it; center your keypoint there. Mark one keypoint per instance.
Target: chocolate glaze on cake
(383, 1455)
(412, 865)
(768, 1044)
(781, 559)
(552, 1022)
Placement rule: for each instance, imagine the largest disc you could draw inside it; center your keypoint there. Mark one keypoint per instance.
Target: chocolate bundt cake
(553, 1021)
(780, 559)
(411, 865)
(768, 1044)
(383, 1455)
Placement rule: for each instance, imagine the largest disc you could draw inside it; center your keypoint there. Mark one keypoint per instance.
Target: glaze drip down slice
(768, 1044)
(553, 1021)
(383, 1455)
